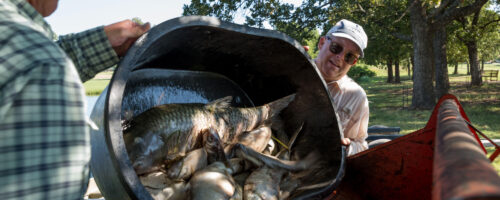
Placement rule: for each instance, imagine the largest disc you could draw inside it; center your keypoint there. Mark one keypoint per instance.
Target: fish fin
(277, 106)
(221, 103)
(295, 135)
(260, 159)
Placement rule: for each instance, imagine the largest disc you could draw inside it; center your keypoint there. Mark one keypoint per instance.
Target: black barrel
(198, 59)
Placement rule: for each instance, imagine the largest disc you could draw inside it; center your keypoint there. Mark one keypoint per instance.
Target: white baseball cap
(352, 31)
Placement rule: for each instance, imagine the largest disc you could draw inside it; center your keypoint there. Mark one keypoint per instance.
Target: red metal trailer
(443, 160)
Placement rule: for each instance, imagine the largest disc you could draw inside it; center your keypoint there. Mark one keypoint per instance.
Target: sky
(74, 16)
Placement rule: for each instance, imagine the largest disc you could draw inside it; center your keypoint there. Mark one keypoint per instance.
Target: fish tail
(277, 106)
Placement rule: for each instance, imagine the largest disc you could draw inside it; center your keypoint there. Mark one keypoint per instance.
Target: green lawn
(389, 103)
(94, 87)
(481, 104)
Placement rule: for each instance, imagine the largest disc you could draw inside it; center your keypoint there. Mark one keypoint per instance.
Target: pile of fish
(215, 151)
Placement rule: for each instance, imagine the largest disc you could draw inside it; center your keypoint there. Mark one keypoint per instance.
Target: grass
(94, 87)
(481, 104)
(389, 103)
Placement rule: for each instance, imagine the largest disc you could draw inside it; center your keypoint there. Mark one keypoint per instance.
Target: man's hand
(123, 34)
(345, 141)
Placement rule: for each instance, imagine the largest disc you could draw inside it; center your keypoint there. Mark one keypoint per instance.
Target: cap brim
(343, 35)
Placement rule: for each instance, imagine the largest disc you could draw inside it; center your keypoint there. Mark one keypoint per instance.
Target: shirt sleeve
(357, 129)
(90, 51)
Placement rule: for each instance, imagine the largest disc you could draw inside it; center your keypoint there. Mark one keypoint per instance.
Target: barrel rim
(117, 85)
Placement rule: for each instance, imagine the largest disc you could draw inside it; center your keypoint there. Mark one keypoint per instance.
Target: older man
(44, 139)
(339, 50)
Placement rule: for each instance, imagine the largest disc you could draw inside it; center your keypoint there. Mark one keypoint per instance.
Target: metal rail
(461, 170)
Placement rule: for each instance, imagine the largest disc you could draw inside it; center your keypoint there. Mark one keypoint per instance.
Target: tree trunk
(440, 62)
(468, 68)
(409, 69)
(396, 71)
(390, 78)
(456, 68)
(482, 64)
(475, 73)
(423, 89)
(412, 58)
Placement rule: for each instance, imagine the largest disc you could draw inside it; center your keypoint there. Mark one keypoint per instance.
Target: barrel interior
(199, 59)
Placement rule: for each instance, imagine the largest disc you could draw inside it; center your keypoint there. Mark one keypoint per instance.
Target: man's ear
(321, 42)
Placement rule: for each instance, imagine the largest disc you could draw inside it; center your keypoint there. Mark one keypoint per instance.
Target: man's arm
(90, 51)
(357, 129)
(97, 49)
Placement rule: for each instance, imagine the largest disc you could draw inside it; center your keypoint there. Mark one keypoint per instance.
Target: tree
(474, 29)
(428, 18)
(390, 78)
(489, 46)
(456, 51)
(299, 23)
(388, 30)
(388, 23)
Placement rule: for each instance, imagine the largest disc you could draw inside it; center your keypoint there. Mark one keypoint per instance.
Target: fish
(199, 158)
(256, 139)
(183, 169)
(160, 187)
(241, 178)
(214, 182)
(263, 183)
(259, 159)
(166, 133)
(287, 186)
(266, 182)
(175, 191)
(213, 145)
(282, 160)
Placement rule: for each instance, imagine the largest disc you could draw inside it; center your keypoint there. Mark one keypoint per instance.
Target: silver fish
(259, 159)
(214, 182)
(256, 139)
(263, 184)
(166, 133)
(197, 159)
(183, 169)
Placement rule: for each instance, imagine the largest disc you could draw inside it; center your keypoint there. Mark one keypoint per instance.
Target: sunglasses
(336, 48)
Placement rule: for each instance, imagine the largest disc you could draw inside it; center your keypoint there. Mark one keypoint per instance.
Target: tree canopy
(396, 30)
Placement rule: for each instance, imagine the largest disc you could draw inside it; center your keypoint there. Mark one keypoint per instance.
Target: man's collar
(340, 81)
(25, 9)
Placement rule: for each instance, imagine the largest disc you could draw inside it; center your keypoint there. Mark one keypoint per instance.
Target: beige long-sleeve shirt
(351, 104)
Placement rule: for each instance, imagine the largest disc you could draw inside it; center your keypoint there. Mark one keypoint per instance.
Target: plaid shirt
(44, 140)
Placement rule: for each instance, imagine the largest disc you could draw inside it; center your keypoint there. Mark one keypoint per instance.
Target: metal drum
(198, 59)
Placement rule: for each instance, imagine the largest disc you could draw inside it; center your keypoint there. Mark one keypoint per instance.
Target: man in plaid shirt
(44, 138)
